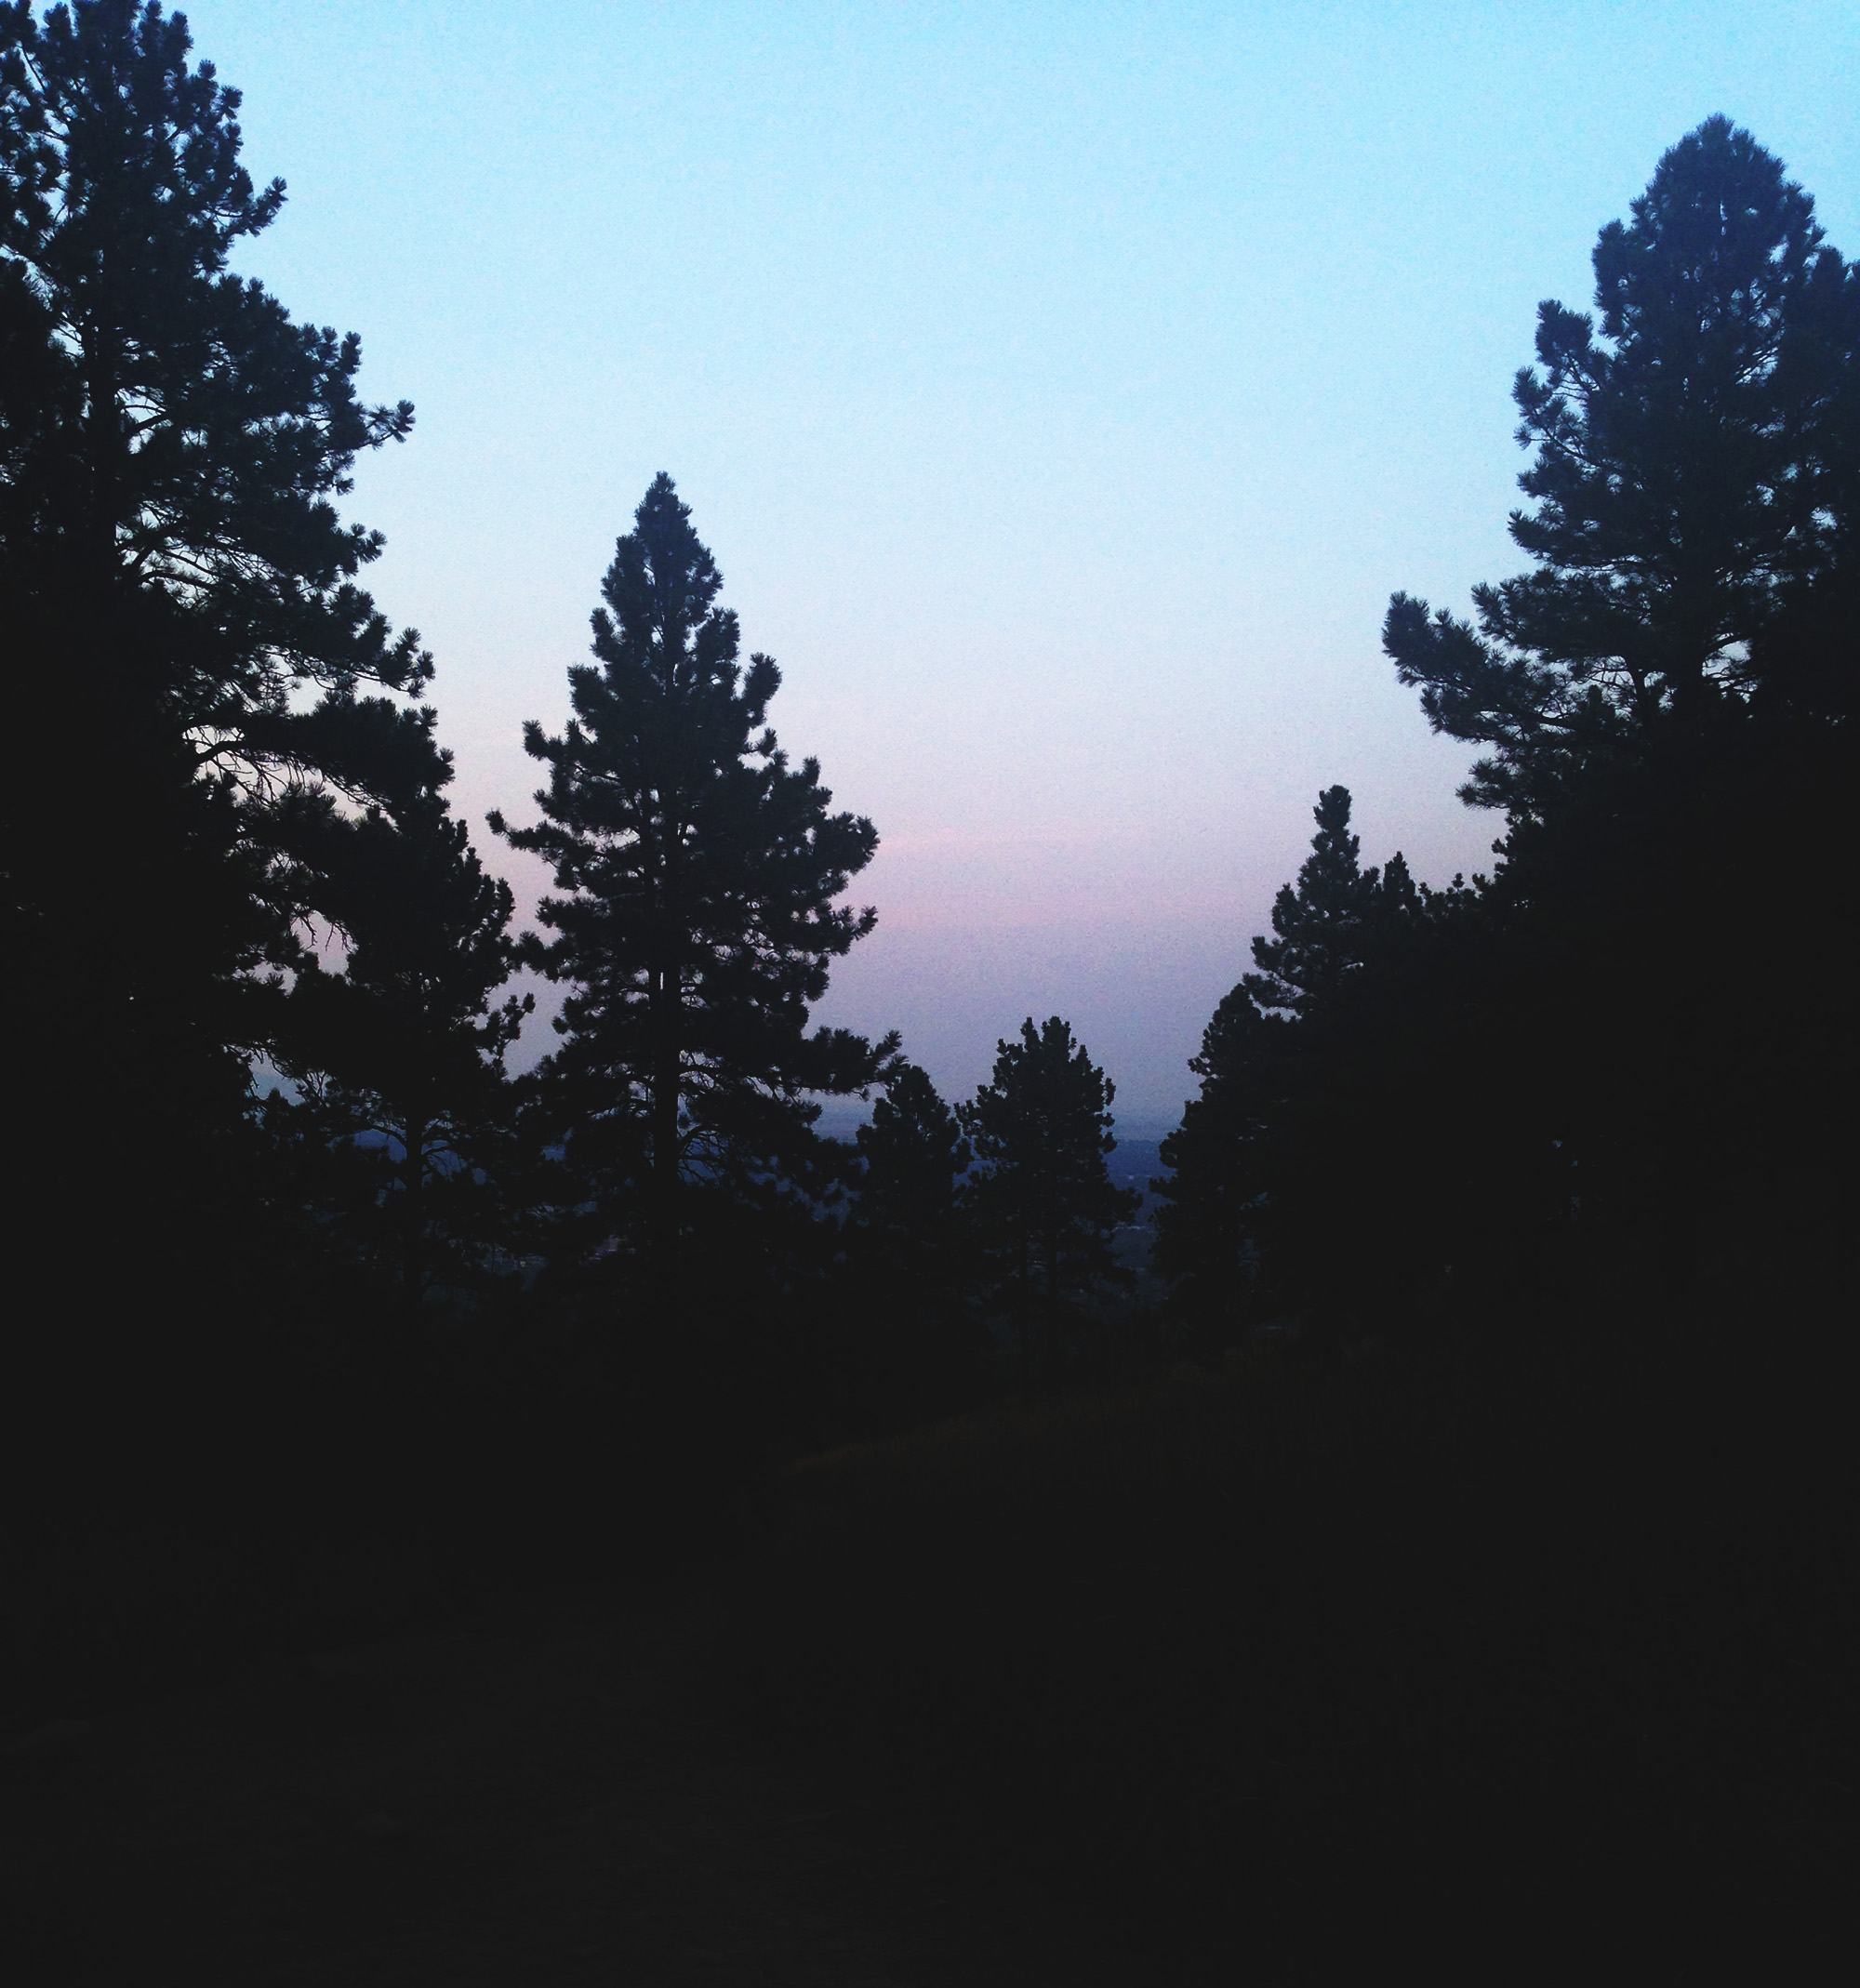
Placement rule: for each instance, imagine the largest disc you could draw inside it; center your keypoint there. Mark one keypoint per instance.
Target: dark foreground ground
(1538, 1667)
(543, 1797)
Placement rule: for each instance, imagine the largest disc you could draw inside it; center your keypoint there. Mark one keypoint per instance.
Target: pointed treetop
(660, 592)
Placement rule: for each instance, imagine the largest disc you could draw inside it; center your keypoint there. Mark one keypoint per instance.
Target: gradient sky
(1062, 389)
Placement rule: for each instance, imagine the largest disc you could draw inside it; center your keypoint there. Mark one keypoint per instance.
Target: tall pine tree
(700, 873)
(171, 543)
(1695, 472)
(1663, 699)
(188, 640)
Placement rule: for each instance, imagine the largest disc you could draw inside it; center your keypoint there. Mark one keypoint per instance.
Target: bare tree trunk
(1024, 1322)
(663, 1120)
(415, 1128)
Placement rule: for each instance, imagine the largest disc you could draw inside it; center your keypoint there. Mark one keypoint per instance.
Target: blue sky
(1063, 390)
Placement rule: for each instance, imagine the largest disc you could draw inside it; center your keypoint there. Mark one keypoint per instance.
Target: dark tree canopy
(1324, 927)
(1666, 701)
(1041, 1198)
(171, 558)
(1271, 1161)
(913, 1154)
(700, 873)
(189, 650)
(404, 1047)
(1694, 480)
(909, 1344)
(193, 437)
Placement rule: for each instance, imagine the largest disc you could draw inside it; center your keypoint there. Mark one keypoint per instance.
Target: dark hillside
(1237, 1655)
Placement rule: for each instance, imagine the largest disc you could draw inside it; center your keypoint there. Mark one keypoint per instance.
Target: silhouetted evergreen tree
(187, 641)
(913, 1153)
(913, 1336)
(1322, 929)
(169, 529)
(405, 1047)
(1693, 478)
(1662, 697)
(1285, 1180)
(1042, 1199)
(700, 871)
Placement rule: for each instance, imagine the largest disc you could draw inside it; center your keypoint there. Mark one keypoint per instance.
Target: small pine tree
(912, 1336)
(1321, 926)
(405, 1046)
(1042, 1200)
(1268, 1160)
(911, 1156)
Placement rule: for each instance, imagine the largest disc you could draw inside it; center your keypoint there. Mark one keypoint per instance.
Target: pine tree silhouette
(189, 645)
(405, 1046)
(1272, 1166)
(699, 873)
(1042, 1199)
(1695, 474)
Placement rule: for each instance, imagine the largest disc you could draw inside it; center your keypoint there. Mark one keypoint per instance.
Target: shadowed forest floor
(543, 1799)
(1489, 1662)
